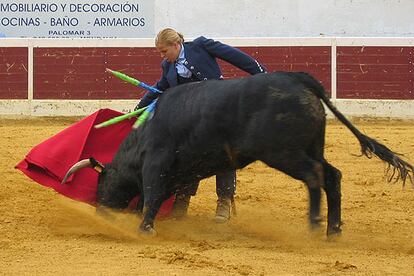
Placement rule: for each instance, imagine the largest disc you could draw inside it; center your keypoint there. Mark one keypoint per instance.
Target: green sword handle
(133, 81)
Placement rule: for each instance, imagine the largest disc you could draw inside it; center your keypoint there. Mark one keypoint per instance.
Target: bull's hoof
(147, 231)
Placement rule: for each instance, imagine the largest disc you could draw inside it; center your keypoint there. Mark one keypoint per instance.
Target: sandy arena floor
(44, 233)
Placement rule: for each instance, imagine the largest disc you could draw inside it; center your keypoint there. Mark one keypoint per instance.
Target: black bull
(201, 129)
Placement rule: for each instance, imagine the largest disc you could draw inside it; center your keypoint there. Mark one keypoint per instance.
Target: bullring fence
(66, 77)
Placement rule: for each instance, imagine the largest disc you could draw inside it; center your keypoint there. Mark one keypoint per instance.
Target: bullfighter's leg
(182, 200)
(225, 189)
(300, 166)
(140, 204)
(314, 207)
(333, 193)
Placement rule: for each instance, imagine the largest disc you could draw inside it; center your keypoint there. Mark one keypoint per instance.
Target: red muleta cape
(48, 162)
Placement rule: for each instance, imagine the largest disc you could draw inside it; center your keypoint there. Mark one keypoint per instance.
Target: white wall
(273, 18)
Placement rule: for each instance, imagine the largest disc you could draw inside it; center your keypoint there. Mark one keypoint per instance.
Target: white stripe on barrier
(61, 107)
(401, 109)
(30, 74)
(235, 41)
(333, 70)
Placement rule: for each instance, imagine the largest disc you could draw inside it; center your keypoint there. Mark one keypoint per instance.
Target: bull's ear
(96, 165)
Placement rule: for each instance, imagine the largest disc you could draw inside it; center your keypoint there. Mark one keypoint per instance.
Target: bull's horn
(85, 163)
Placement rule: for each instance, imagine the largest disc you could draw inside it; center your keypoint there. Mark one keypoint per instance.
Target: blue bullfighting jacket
(201, 56)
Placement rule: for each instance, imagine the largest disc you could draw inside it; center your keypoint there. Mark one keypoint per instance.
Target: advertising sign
(77, 19)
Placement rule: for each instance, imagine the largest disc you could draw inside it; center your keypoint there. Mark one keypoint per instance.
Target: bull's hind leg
(333, 194)
(300, 166)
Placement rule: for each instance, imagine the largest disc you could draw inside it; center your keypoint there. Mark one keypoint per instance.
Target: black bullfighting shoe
(180, 206)
(223, 211)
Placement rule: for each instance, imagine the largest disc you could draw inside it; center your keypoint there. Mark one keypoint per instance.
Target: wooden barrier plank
(13, 72)
(375, 72)
(79, 73)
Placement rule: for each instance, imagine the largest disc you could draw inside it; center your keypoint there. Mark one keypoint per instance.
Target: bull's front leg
(154, 191)
(154, 197)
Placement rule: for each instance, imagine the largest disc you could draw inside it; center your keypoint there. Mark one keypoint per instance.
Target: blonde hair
(168, 37)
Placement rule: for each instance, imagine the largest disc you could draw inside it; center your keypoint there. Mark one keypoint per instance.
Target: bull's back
(213, 121)
(229, 109)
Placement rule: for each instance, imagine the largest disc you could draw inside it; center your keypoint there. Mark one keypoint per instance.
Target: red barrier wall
(372, 72)
(79, 73)
(315, 60)
(375, 72)
(13, 73)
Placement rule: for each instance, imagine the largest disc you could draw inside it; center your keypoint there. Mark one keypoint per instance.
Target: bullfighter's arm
(161, 85)
(230, 54)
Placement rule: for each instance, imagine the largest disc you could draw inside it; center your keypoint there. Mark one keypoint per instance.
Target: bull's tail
(369, 146)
